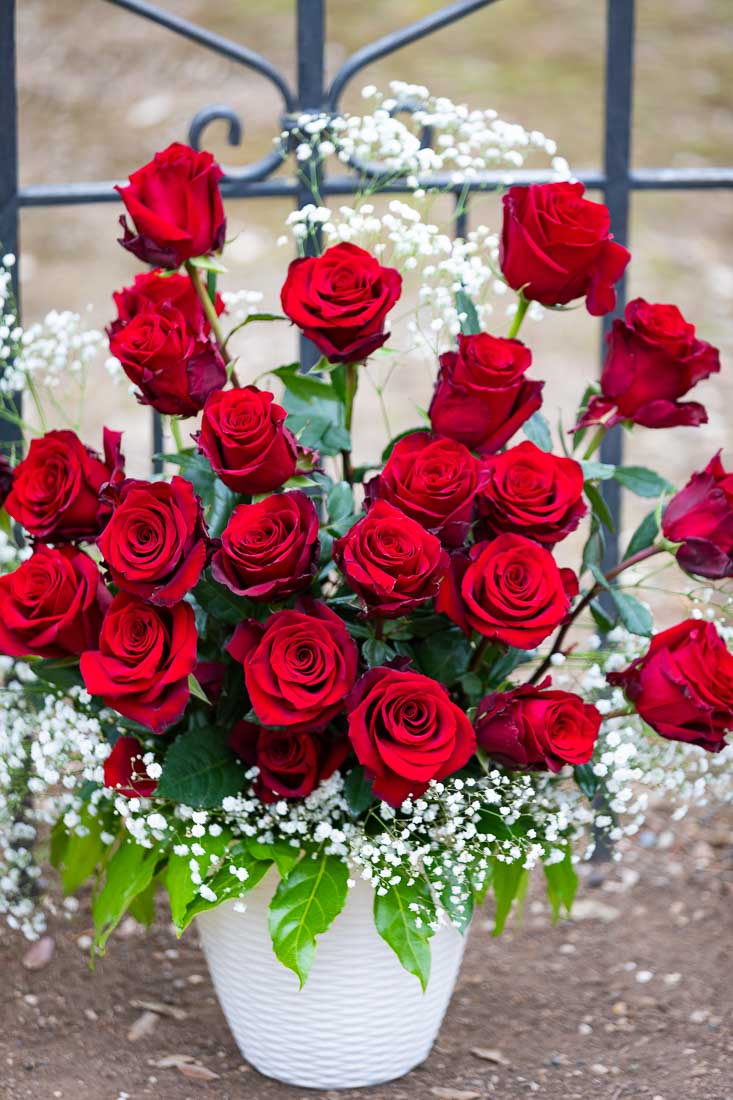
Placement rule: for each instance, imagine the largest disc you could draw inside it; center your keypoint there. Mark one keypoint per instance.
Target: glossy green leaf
(562, 883)
(128, 873)
(509, 881)
(407, 932)
(82, 854)
(200, 769)
(643, 482)
(304, 906)
(470, 324)
(644, 535)
(597, 471)
(444, 655)
(279, 852)
(226, 886)
(340, 502)
(599, 506)
(358, 791)
(636, 618)
(537, 431)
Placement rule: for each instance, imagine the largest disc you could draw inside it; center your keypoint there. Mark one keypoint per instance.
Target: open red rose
(406, 730)
(52, 605)
(155, 542)
(700, 516)
(124, 771)
(298, 668)
(340, 300)
(175, 204)
(291, 764)
(151, 290)
(530, 492)
(244, 437)
(537, 727)
(269, 550)
(557, 246)
(482, 397)
(683, 686)
(55, 494)
(145, 657)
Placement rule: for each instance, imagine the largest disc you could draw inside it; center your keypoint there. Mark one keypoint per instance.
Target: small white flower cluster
(241, 304)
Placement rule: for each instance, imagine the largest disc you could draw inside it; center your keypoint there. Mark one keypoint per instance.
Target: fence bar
(9, 433)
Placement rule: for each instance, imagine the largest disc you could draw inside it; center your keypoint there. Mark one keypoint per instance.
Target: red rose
(683, 686)
(176, 208)
(145, 657)
(124, 771)
(244, 437)
(291, 764)
(151, 290)
(52, 605)
(700, 516)
(6, 478)
(269, 550)
(482, 397)
(340, 301)
(210, 676)
(55, 494)
(298, 668)
(433, 481)
(533, 727)
(155, 542)
(532, 493)
(653, 359)
(557, 246)
(390, 561)
(509, 589)
(406, 730)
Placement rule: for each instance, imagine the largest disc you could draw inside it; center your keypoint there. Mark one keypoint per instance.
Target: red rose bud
(433, 481)
(537, 728)
(482, 397)
(700, 516)
(291, 764)
(124, 771)
(269, 550)
(532, 493)
(6, 478)
(55, 494)
(244, 437)
(556, 246)
(145, 657)
(390, 561)
(151, 290)
(683, 686)
(155, 542)
(52, 605)
(653, 359)
(340, 301)
(175, 205)
(298, 668)
(405, 731)
(210, 676)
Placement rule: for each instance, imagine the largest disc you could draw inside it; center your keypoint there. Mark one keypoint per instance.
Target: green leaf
(358, 791)
(643, 536)
(636, 618)
(461, 912)
(318, 423)
(219, 602)
(302, 385)
(562, 883)
(181, 888)
(226, 885)
(509, 881)
(470, 325)
(142, 907)
(586, 779)
(537, 431)
(279, 852)
(305, 904)
(444, 655)
(598, 576)
(407, 932)
(197, 691)
(200, 770)
(223, 503)
(595, 546)
(340, 502)
(600, 618)
(597, 471)
(643, 482)
(207, 263)
(61, 674)
(128, 873)
(82, 854)
(376, 652)
(599, 506)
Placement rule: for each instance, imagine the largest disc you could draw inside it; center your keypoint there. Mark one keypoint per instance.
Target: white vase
(360, 1019)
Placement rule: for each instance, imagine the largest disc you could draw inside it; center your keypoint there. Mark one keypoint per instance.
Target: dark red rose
(210, 676)
(145, 657)
(390, 561)
(557, 246)
(406, 730)
(151, 290)
(529, 492)
(155, 542)
(269, 550)
(124, 771)
(175, 205)
(482, 397)
(52, 605)
(536, 727)
(700, 516)
(6, 478)
(291, 764)
(653, 359)
(340, 301)
(433, 481)
(55, 494)
(244, 437)
(683, 686)
(298, 668)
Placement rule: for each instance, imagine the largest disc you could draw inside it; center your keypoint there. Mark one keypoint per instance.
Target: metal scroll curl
(220, 112)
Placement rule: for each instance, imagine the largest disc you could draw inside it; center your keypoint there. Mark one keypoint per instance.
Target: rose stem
(176, 433)
(351, 382)
(211, 316)
(594, 443)
(522, 307)
(479, 654)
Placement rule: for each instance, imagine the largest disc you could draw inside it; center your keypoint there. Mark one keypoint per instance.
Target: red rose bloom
(244, 437)
(683, 686)
(175, 205)
(155, 542)
(433, 481)
(653, 359)
(291, 764)
(298, 668)
(405, 731)
(482, 397)
(55, 494)
(52, 605)
(269, 550)
(145, 657)
(151, 290)
(700, 516)
(124, 771)
(533, 727)
(340, 301)
(390, 561)
(556, 246)
(532, 493)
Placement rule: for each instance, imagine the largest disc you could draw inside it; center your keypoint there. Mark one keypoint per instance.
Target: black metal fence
(312, 93)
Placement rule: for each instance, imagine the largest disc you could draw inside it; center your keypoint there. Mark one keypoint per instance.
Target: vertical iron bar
(311, 43)
(9, 433)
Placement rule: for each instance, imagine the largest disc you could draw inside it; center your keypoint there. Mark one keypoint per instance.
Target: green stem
(351, 385)
(479, 654)
(522, 307)
(211, 316)
(176, 433)
(594, 443)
